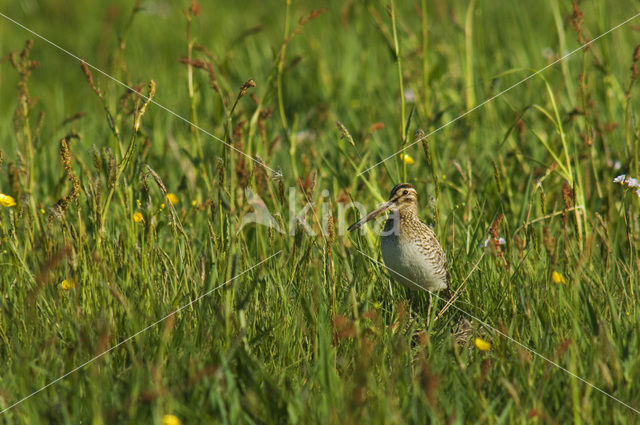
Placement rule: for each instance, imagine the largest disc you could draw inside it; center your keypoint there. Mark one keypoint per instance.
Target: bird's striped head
(403, 199)
(403, 195)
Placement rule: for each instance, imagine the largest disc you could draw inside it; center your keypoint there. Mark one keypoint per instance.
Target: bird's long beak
(373, 214)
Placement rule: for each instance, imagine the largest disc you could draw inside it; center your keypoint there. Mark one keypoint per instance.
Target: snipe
(410, 249)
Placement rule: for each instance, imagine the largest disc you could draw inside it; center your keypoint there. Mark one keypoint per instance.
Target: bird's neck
(407, 213)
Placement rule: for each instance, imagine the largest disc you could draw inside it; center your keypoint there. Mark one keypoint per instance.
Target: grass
(316, 334)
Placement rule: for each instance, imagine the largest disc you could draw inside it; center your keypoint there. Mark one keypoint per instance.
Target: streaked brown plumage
(410, 249)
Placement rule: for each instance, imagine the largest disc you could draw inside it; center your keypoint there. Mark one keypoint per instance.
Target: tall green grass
(316, 334)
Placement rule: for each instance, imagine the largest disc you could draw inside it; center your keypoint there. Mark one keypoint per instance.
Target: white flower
(627, 180)
(638, 193)
(409, 96)
(488, 242)
(305, 136)
(547, 53)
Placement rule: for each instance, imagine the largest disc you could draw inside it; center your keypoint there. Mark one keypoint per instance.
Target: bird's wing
(432, 249)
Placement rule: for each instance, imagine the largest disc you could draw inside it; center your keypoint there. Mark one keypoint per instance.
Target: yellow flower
(407, 159)
(7, 201)
(171, 420)
(482, 345)
(67, 284)
(137, 217)
(194, 202)
(557, 278)
(162, 206)
(171, 198)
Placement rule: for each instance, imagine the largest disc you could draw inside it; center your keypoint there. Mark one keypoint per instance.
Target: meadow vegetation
(117, 211)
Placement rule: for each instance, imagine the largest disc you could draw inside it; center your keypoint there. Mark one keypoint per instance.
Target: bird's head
(403, 197)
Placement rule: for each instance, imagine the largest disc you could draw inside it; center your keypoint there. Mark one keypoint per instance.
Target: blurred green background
(317, 334)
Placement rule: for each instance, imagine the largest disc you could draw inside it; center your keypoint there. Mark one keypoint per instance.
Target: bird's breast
(408, 264)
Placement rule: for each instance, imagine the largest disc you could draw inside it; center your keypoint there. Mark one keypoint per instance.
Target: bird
(410, 249)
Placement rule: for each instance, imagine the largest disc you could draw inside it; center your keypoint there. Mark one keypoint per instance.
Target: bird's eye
(406, 192)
